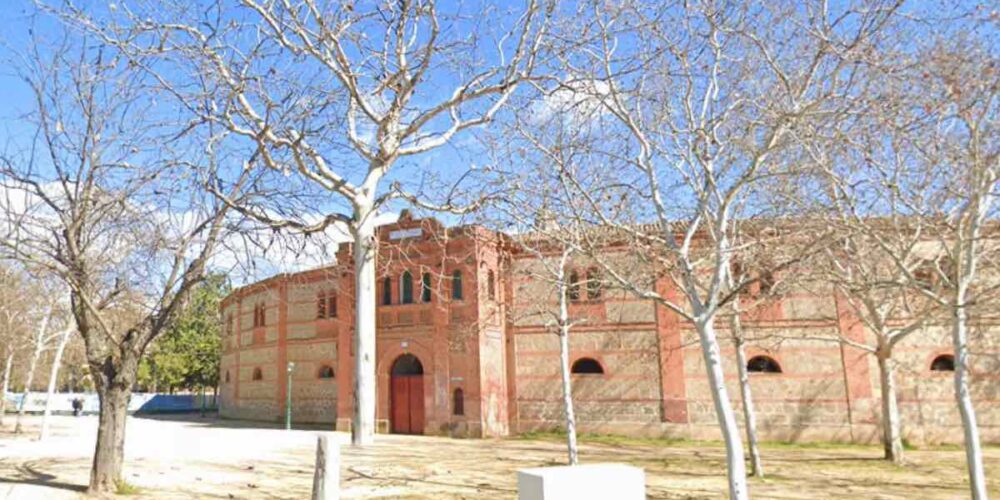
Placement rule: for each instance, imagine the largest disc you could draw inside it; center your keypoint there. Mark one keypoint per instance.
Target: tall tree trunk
(53, 376)
(973, 449)
(892, 439)
(749, 414)
(6, 384)
(735, 465)
(106, 470)
(568, 398)
(564, 368)
(365, 251)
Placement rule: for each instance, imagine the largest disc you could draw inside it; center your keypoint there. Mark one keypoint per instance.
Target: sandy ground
(190, 457)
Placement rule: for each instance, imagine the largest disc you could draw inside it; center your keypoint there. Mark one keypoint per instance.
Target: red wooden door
(416, 406)
(407, 404)
(400, 404)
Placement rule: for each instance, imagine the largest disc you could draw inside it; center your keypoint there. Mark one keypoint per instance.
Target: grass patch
(124, 488)
(613, 439)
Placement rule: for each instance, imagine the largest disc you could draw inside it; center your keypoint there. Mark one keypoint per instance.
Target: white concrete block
(582, 482)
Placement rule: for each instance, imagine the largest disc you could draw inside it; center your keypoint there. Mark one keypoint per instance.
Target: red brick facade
(490, 348)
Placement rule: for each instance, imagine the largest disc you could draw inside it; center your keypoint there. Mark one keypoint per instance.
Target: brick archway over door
(406, 399)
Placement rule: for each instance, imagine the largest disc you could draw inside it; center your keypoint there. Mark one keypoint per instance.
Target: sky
(246, 262)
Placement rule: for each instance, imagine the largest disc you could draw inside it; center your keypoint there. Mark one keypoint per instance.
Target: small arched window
(458, 402)
(587, 366)
(387, 291)
(767, 283)
(326, 371)
(595, 286)
(943, 363)
(259, 315)
(321, 305)
(456, 285)
(763, 364)
(257, 374)
(491, 284)
(406, 288)
(574, 286)
(425, 288)
(227, 376)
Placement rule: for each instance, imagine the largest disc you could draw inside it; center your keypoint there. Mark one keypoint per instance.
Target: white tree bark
(892, 439)
(736, 467)
(36, 353)
(564, 368)
(8, 365)
(53, 377)
(973, 448)
(749, 414)
(365, 251)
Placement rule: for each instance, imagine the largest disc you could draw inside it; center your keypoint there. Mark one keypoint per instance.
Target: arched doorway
(407, 395)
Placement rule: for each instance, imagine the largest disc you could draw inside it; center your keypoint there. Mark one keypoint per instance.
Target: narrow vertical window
(458, 402)
(263, 315)
(456, 285)
(406, 288)
(386, 291)
(594, 285)
(491, 285)
(425, 287)
(331, 305)
(321, 305)
(574, 286)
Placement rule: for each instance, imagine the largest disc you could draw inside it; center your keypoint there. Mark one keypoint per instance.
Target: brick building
(463, 349)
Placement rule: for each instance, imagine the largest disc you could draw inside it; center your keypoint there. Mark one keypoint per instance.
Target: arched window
(458, 402)
(227, 376)
(257, 374)
(767, 283)
(763, 364)
(326, 371)
(943, 363)
(491, 283)
(326, 305)
(387, 291)
(595, 286)
(406, 288)
(425, 288)
(574, 286)
(321, 305)
(456, 285)
(259, 315)
(587, 366)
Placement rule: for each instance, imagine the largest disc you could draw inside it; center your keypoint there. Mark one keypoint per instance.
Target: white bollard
(582, 482)
(326, 480)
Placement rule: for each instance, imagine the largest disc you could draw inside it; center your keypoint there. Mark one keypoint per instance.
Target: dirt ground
(190, 457)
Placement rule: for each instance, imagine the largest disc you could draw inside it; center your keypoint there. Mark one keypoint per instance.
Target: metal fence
(139, 403)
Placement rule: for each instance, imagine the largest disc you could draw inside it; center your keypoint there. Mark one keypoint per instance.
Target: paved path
(173, 458)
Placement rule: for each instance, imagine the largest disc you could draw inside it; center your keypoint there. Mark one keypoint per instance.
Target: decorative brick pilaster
(857, 374)
(673, 391)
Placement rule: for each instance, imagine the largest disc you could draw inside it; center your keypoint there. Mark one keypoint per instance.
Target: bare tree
(693, 121)
(12, 311)
(61, 340)
(49, 318)
(521, 209)
(336, 95)
(107, 205)
(913, 180)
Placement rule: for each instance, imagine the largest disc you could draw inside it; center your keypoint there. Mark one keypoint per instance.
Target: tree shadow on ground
(213, 420)
(28, 474)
